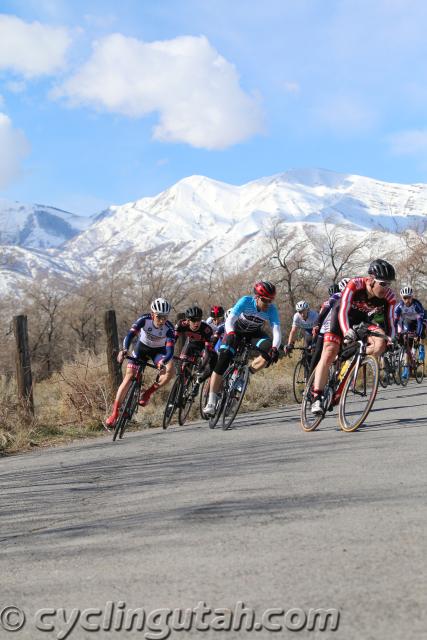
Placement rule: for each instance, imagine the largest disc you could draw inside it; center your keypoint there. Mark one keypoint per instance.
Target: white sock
(212, 397)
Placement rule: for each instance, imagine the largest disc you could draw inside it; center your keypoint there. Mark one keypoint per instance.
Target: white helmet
(161, 306)
(343, 283)
(227, 313)
(406, 291)
(302, 305)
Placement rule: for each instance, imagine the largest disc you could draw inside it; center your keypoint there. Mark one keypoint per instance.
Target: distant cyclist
(304, 319)
(198, 339)
(246, 320)
(156, 340)
(409, 313)
(217, 316)
(361, 300)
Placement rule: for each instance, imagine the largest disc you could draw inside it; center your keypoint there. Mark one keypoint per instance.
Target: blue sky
(104, 102)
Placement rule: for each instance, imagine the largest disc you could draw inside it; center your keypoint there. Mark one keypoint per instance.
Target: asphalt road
(265, 515)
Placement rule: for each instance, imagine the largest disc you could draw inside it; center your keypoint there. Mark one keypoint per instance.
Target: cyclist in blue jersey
(409, 313)
(246, 320)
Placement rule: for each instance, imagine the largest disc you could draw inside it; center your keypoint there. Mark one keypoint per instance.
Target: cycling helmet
(227, 313)
(265, 289)
(343, 283)
(302, 305)
(406, 291)
(382, 270)
(333, 289)
(217, 312)
(161, 306)
(194, 313)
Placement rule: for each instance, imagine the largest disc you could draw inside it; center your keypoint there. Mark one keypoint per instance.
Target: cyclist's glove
(274, 355)
(288, 349)
(350, 336)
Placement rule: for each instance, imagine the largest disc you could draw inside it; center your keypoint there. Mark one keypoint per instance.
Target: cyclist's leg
(375, 346)
(131, 371)
(225, 354)
(263, 343)
(316, 354)
(164, 376)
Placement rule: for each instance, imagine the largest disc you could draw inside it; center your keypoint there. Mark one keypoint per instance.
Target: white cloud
(14, 147)
(409, 143)
(31, 49)
(292, 87)
(195, 91)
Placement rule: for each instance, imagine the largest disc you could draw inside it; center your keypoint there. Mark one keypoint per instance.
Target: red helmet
(265, 289)
(217, 311)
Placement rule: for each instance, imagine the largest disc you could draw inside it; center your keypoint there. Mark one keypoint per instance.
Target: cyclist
(409, 317)
(217, 317)
(246, 320)
(198, 340)
(361, 299)
(324, 321)
(156, 340)
(305, 319)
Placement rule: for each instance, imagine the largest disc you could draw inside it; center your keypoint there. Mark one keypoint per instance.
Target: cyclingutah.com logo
(158, 624)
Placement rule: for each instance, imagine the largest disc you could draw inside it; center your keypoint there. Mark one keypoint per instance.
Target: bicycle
(183, 392)
(352, 384)
(409, 360)
(301, 372)
(130, 405)
(234, 384)
(389, 367)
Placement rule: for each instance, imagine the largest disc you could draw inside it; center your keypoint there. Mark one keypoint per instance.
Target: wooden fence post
(114, 369)
(24, 378)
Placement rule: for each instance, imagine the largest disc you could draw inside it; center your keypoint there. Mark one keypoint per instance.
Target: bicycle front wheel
(309, 421)
(404, 369)
(126, 411)
(299, 381)
(419, 368)
(186, 402)
(203, 398)
(359, 394)
(383, 372)
(172, 402)
(235, 397)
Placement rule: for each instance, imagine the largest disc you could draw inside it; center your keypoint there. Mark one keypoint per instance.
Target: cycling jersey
(324, 319)
(356, 306)
(246, 318)
(309, 323)
(197, 339)
(407, 317)
(152, 336)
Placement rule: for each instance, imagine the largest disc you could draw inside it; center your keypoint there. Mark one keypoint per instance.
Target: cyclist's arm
(345, 306)
(230, 322)
(134, 330)
(292, 334)
(420, 318)
(391, 313)
(277, 335)
(170, 344)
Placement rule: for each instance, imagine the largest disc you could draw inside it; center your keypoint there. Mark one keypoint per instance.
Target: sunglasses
(160, 316)
(265, 300)
(406, 297)
(383, 283)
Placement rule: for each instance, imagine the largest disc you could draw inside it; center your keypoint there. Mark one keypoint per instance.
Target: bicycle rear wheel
(203, 398)
(359, 394)
(419, 367)
(309, 421)
(235, 397)
(299, 380)
(126, 411)
(172, 402)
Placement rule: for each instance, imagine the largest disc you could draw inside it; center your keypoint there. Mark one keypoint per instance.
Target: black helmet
(382, 270)
(194, 313)
(334, 288)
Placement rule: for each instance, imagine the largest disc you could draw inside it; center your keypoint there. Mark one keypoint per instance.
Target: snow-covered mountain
(37, 226)
(203, 221)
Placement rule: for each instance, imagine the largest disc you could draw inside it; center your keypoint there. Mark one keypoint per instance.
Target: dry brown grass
(73, 403)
